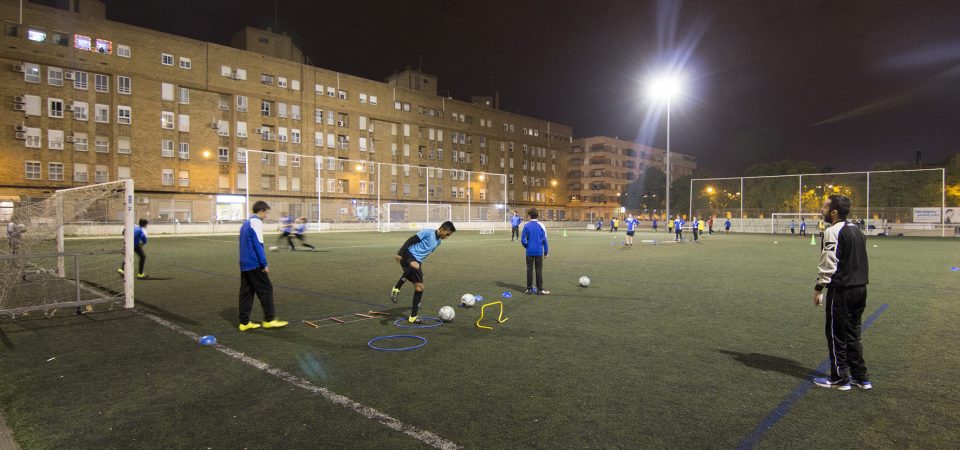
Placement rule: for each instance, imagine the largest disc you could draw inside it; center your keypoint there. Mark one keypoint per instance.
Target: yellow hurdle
(500, 318)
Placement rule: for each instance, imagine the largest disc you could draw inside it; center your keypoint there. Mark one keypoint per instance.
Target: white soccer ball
(584, 281)
(468, 300)
(447, 313)
(274, 248)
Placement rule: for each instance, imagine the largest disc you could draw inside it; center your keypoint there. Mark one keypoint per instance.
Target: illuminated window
(82, 42)
(36, 35)
(104, 46)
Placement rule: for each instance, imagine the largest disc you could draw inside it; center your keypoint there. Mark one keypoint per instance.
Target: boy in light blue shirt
(411, 256)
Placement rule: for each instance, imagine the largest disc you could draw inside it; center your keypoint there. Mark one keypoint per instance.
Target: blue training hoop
(399, 323)
(397, 336)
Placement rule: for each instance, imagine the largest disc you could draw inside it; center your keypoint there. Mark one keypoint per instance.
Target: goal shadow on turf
(772, 363)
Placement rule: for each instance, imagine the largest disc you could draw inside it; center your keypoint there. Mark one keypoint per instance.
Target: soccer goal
(64, 251)
(400, 216)
(781, 222)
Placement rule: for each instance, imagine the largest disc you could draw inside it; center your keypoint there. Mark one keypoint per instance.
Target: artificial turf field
(671, 346)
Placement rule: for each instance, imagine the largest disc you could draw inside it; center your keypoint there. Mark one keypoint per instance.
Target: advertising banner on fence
(932, 215)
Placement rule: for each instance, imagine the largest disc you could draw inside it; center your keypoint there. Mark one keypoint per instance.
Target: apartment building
(91, 100)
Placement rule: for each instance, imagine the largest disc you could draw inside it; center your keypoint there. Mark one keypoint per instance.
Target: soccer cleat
(543, 292)
(415, 319)
(275, 323)
(249, 326)
(843, 385)
(120, 271)
(394, 295)
(141, 275)
(528, 291)
(862, 384)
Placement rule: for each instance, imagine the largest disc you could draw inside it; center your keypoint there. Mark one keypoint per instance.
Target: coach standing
(844, 274)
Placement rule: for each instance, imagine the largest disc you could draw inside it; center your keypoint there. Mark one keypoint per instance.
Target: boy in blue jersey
(286, 230)
(726, 226)
(599, 224)
(299, 230)
(139, 240)
(631, 226)
(534, 239)
(515, 226)
(678, 228)
(695, 228)
(254, 278)
(654, 225)
(803, 227)
(411, 257)
(793, 227)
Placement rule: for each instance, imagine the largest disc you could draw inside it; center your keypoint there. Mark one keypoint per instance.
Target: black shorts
(285, 234)
(629, 233)
(413, 276)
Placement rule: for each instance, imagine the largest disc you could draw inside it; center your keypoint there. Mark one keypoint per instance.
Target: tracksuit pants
(844, 309)
(257, 282)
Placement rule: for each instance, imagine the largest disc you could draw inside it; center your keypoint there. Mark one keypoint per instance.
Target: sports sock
(417, 296)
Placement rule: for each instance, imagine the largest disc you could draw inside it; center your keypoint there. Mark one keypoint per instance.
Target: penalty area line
(419, 434)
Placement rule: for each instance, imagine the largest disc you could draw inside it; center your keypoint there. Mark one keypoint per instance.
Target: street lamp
(663, 89)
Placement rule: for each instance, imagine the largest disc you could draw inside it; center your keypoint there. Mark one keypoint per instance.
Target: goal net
(64, 251)
(401, 216)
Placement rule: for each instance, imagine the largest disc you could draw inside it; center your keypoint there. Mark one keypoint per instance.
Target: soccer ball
(447, 313)
(274, 248)
(584, 281)
(468, 300)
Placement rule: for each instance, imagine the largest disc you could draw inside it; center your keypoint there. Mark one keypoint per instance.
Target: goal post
(780, 222)
(64, 251)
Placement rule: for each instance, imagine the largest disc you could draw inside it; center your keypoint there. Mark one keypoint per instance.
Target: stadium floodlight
(664, 88)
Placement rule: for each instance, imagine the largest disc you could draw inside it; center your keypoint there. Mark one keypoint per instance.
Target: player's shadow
(6, 340)
(515, 287)
(771, 363)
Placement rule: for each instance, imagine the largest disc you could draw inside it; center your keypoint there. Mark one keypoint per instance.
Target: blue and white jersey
(139, 236)
(803, 226)
(428, 243)
(286, 223)
(301, 228)
(696, 224)
(678, 224)
(631, 223)
(534, 238)
(251, 244)
(727, 224)
(515, 221)
(793, 224)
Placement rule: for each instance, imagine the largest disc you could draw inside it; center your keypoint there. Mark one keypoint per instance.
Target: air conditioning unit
(19, 107)
(215, 126)
(259, 130)
(69, 76)
(20, 128)
(18, 68)
(339, 123)
(19, 99)
(68, 138)
(20, 135)
(68, 108)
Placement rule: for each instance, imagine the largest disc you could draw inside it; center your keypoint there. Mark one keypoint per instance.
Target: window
(223, 102)
(32, 170)
(80, 172)
(123, 145)
(241, 155)
(183, 178)
(55, 139)
(241, 129)
(82, 42)
(31, 73)
(166, 59)
(295, 136)
(241, 103)
(104, 46)
(123, 172)
(123, 51)
(266, 79)
(282, 82)
(55, 171)
(32, 105)
(363, 144)
(183, 96)
(54, 76)
(317, 115)
(55, 108)
(223, 154)
(166, 120)
(282, 134)
(166, 148)
(80, 142)
(282, 110)
(363, 97)
(223, 128)
(166, 92)
(100, 174)
(373, 99)
(81, 80)
(61, 39)
(342, 95)
(265, 107)
(123, 85)
(397, 105)
(124, 114)
(185, 63)
(331, 91)
(36, 35)
(102, 144)
(101, 83)
(184, 123)
(101, 113)
(167, 177)
(295, 85)
(295, 112)
(184, 150)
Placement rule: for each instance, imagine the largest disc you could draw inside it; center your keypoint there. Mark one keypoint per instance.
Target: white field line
(421, 435)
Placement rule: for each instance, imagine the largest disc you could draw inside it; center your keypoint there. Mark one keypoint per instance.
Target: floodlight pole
(668, 158)
(741, 204)
(867, 222)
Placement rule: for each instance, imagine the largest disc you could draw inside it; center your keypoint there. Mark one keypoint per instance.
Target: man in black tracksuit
(844, 275)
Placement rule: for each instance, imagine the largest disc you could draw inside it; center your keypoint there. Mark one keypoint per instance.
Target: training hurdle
(343, 319)
(483, 309)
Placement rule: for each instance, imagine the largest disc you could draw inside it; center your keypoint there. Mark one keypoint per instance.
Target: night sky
(843, 84)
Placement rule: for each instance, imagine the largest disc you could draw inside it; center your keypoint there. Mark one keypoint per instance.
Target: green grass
(671, 346)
